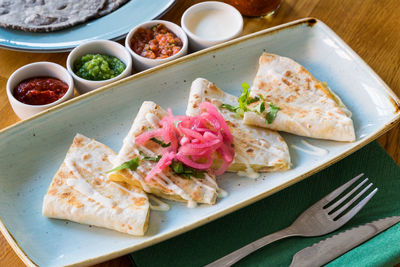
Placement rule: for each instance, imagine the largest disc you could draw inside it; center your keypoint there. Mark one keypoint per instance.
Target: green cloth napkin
(218, 238)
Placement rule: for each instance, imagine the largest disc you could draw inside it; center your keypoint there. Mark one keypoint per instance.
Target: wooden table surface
(370, 27)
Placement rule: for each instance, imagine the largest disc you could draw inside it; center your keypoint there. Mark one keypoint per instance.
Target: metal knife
(329, 249)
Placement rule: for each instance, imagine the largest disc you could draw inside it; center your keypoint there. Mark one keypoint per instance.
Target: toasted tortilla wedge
(81, 192)
(167, 184)
(256, 149)
(307, 106)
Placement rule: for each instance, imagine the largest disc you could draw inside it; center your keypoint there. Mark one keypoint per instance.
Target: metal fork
(315, 221)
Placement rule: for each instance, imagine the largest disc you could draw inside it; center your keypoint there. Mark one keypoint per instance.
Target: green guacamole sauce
(98, 67)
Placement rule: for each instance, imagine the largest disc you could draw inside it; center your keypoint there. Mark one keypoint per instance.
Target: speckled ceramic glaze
(31, 151)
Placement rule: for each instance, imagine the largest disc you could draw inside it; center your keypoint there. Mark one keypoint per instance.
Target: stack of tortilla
(52, 15)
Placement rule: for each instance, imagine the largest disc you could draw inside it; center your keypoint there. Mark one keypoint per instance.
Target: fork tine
(340, 190)
(345, 206)
(350, 214)
(340, 201)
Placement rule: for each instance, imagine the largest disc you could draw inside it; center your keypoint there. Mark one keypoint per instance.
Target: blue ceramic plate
(32, 150)
(114, 26)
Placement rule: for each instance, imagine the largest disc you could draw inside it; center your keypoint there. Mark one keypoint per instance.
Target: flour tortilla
(256, 149)
(167, 184)
(49, 15)
(81, 192)
(110, 6)
(307, 106)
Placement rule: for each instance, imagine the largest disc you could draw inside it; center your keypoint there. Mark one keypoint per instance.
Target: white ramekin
(38, 69)
(104, 47)
(197, 42)
(142, 63)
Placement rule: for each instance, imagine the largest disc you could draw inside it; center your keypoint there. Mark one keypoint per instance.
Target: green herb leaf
(271, 114)
(199, 174)
(243, 101)
(160, 142)
(252, 100)
(145, 157)
(260, 107)
(132, 164)
(177, 167)
(185, 171)
(244, 96)
(229, 107)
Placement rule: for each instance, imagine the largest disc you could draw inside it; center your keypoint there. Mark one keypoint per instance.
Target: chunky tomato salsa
(40, 90)
(155, 43)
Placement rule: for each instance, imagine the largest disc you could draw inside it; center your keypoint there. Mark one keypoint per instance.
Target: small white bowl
(210, 23)
(38, 69)
(142, 63)
(104, 47)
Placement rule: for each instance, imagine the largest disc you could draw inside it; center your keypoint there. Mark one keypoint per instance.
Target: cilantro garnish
(271, 114)
(185, 171)
(132, 164)
(145, 157)
(160, 142)
(260, 107)
(245, 100)
(229, 107)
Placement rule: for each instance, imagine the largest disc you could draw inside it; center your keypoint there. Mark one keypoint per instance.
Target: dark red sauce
(40, 90)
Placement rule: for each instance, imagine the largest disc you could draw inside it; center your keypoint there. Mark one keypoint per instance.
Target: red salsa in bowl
(40, 90)
(157, 42)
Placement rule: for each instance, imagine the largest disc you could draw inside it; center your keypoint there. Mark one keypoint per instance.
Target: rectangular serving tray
(32, 150)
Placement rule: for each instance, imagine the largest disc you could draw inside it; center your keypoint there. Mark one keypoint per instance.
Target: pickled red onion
(144, 137)
(212, 110)
(200, 166)
(194, 140)
(163, 163)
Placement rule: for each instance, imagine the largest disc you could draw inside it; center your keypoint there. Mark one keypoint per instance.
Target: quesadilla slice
(168, 183)
(81, 192)
(302, 104)
(256, 149)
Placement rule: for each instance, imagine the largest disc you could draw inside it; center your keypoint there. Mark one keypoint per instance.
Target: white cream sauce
(163, 180)
(213, 24)
(153, 120)
(86, 189)
(179, 191)
(134, 194)
(144, 150)
(314, 150)
(159, 205)
(248, 172)
(255, 145)
(222, 193)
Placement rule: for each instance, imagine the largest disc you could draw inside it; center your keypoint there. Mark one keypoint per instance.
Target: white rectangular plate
(31, 151)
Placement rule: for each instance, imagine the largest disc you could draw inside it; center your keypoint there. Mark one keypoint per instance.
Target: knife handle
(329, 249)
(239, 254)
